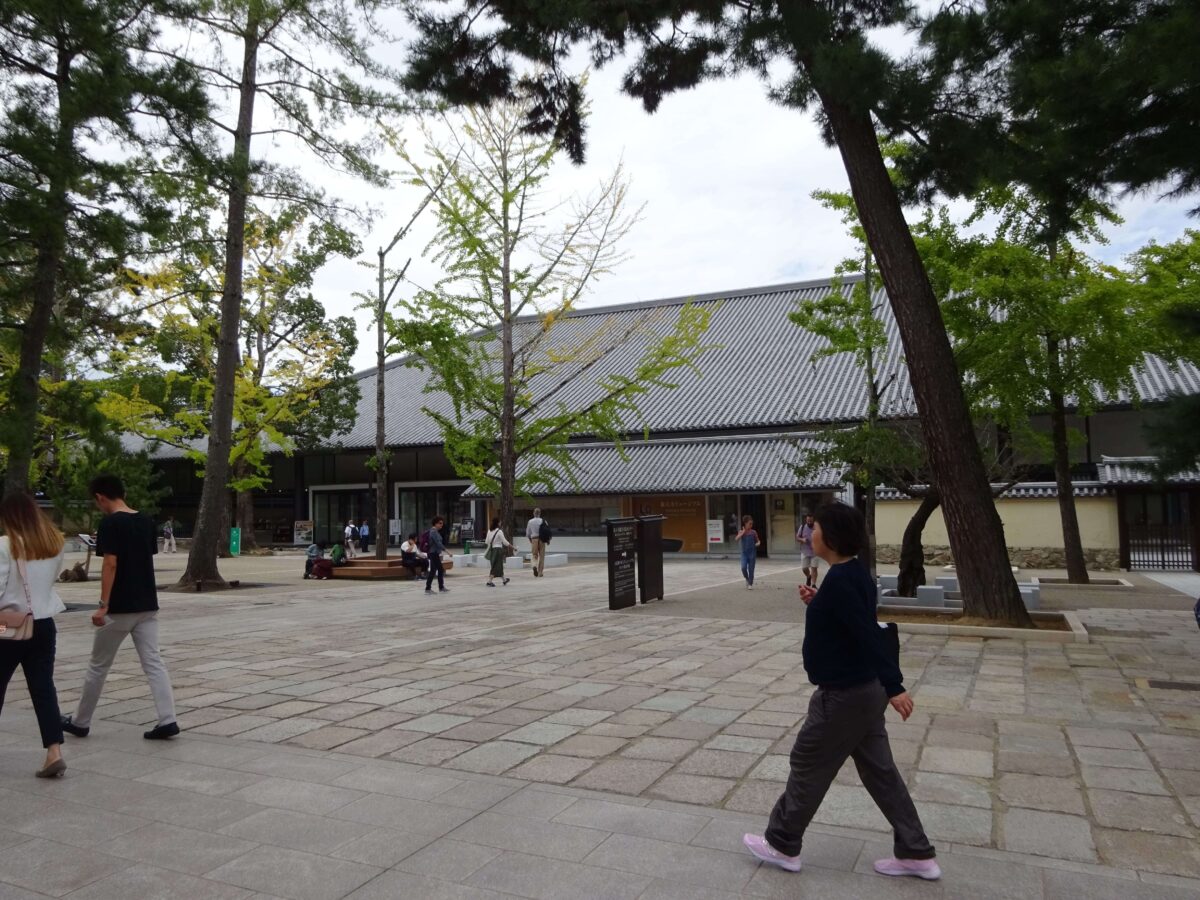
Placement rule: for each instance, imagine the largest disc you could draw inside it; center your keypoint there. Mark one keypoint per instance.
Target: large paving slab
(397, 735)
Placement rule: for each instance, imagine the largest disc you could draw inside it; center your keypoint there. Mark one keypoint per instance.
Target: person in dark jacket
(437, 546)
(856, 676)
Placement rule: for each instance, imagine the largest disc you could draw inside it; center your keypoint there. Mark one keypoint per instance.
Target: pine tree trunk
(912, 553)
(1072, 541)
(207, 537)
(24, 397)
(976, 532)
(381, 460)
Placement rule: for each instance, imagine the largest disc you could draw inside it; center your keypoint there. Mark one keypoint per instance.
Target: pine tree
(813, 53)
(88, 91)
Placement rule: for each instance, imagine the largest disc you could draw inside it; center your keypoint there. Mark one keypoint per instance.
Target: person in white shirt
(410, 553)
(497, 552)
(351, 540)
(533, 532)
(31, 555)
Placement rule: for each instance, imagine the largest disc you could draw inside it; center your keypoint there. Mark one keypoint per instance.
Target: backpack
(354, 533)
(423, 542)
(544, 534)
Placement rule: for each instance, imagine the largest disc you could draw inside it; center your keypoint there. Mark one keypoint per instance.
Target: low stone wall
(1022, 557)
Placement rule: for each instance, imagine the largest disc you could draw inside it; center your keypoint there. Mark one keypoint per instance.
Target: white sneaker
(757, 844)
(926, 869)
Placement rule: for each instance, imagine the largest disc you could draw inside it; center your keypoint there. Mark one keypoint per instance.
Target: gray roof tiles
(689, 465)
(758, 374)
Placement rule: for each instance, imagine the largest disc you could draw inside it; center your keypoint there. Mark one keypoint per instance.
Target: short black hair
(843, 528)
(412, 536)
(437, 519)
(109, 486)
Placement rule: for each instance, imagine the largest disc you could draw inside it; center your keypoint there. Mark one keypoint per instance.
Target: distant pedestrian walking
(169, 535)
(364, 536)
(350, 539)
(31, 554)
(857, 676)
(749, 541)
(437, 547)
(537, 531)
(497, 552)
(128, 607)
(808, 559)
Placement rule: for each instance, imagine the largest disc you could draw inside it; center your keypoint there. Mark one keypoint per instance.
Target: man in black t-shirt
(127, 542)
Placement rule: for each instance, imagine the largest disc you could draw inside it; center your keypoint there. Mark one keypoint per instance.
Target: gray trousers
(144, 629)
(846, 723)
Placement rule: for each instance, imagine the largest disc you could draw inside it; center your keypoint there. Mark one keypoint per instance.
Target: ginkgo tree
(494, 332)
(293, 388)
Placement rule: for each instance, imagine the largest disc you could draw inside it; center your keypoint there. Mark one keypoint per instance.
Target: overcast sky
(725, 178)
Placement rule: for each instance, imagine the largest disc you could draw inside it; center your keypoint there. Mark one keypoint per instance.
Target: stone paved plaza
(367, 740)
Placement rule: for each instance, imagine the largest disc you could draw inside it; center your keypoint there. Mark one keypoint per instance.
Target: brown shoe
(54, 770)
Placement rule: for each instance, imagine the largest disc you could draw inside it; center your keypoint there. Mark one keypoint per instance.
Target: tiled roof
(1027, 490)
(1136, 470)
(758, 374)
(686, 465)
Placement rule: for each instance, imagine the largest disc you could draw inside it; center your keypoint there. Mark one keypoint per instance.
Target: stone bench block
(889, 581)
(1031, 598)
(930, 595)
(948, 582)
(554, 560)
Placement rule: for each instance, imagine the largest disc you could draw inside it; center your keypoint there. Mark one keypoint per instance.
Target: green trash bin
(467, 547)
(235, 541)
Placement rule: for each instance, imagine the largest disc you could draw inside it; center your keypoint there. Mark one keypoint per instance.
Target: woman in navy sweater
(846, 657)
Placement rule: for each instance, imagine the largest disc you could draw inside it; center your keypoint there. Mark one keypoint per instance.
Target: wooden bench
(392, 568)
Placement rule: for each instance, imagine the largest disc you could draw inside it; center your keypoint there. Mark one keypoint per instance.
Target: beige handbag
(18, 626)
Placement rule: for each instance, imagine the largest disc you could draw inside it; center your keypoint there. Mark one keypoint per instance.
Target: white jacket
(43, 574)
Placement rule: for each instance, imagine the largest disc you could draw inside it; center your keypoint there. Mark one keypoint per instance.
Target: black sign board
(468, 529)
(650, 557)
(622, 552)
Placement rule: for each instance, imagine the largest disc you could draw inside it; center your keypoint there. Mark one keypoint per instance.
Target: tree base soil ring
(1051, 627)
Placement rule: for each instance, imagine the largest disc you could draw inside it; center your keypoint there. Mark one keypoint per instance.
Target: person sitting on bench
(412, 556)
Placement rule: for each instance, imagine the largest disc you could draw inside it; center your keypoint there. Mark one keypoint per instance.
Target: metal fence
(1161, 546)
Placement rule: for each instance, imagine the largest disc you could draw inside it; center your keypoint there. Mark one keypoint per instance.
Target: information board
(622, 561)
(716, 531)
(394, 527)
(468, 529)
(302, 531)
(650, 557)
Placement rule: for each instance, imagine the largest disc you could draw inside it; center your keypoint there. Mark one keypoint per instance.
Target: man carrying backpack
(538, 533)
(431, 542)
(351, 539)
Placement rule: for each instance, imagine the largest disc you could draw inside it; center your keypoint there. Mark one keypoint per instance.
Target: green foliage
(1067, 98)
(1168, 276)
(294, 386)
(1032, 319)
(77, 463)
(488, 331)
(88, 100)
(474, 53)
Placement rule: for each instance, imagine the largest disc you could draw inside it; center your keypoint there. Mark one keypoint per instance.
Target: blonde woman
(31, 554)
